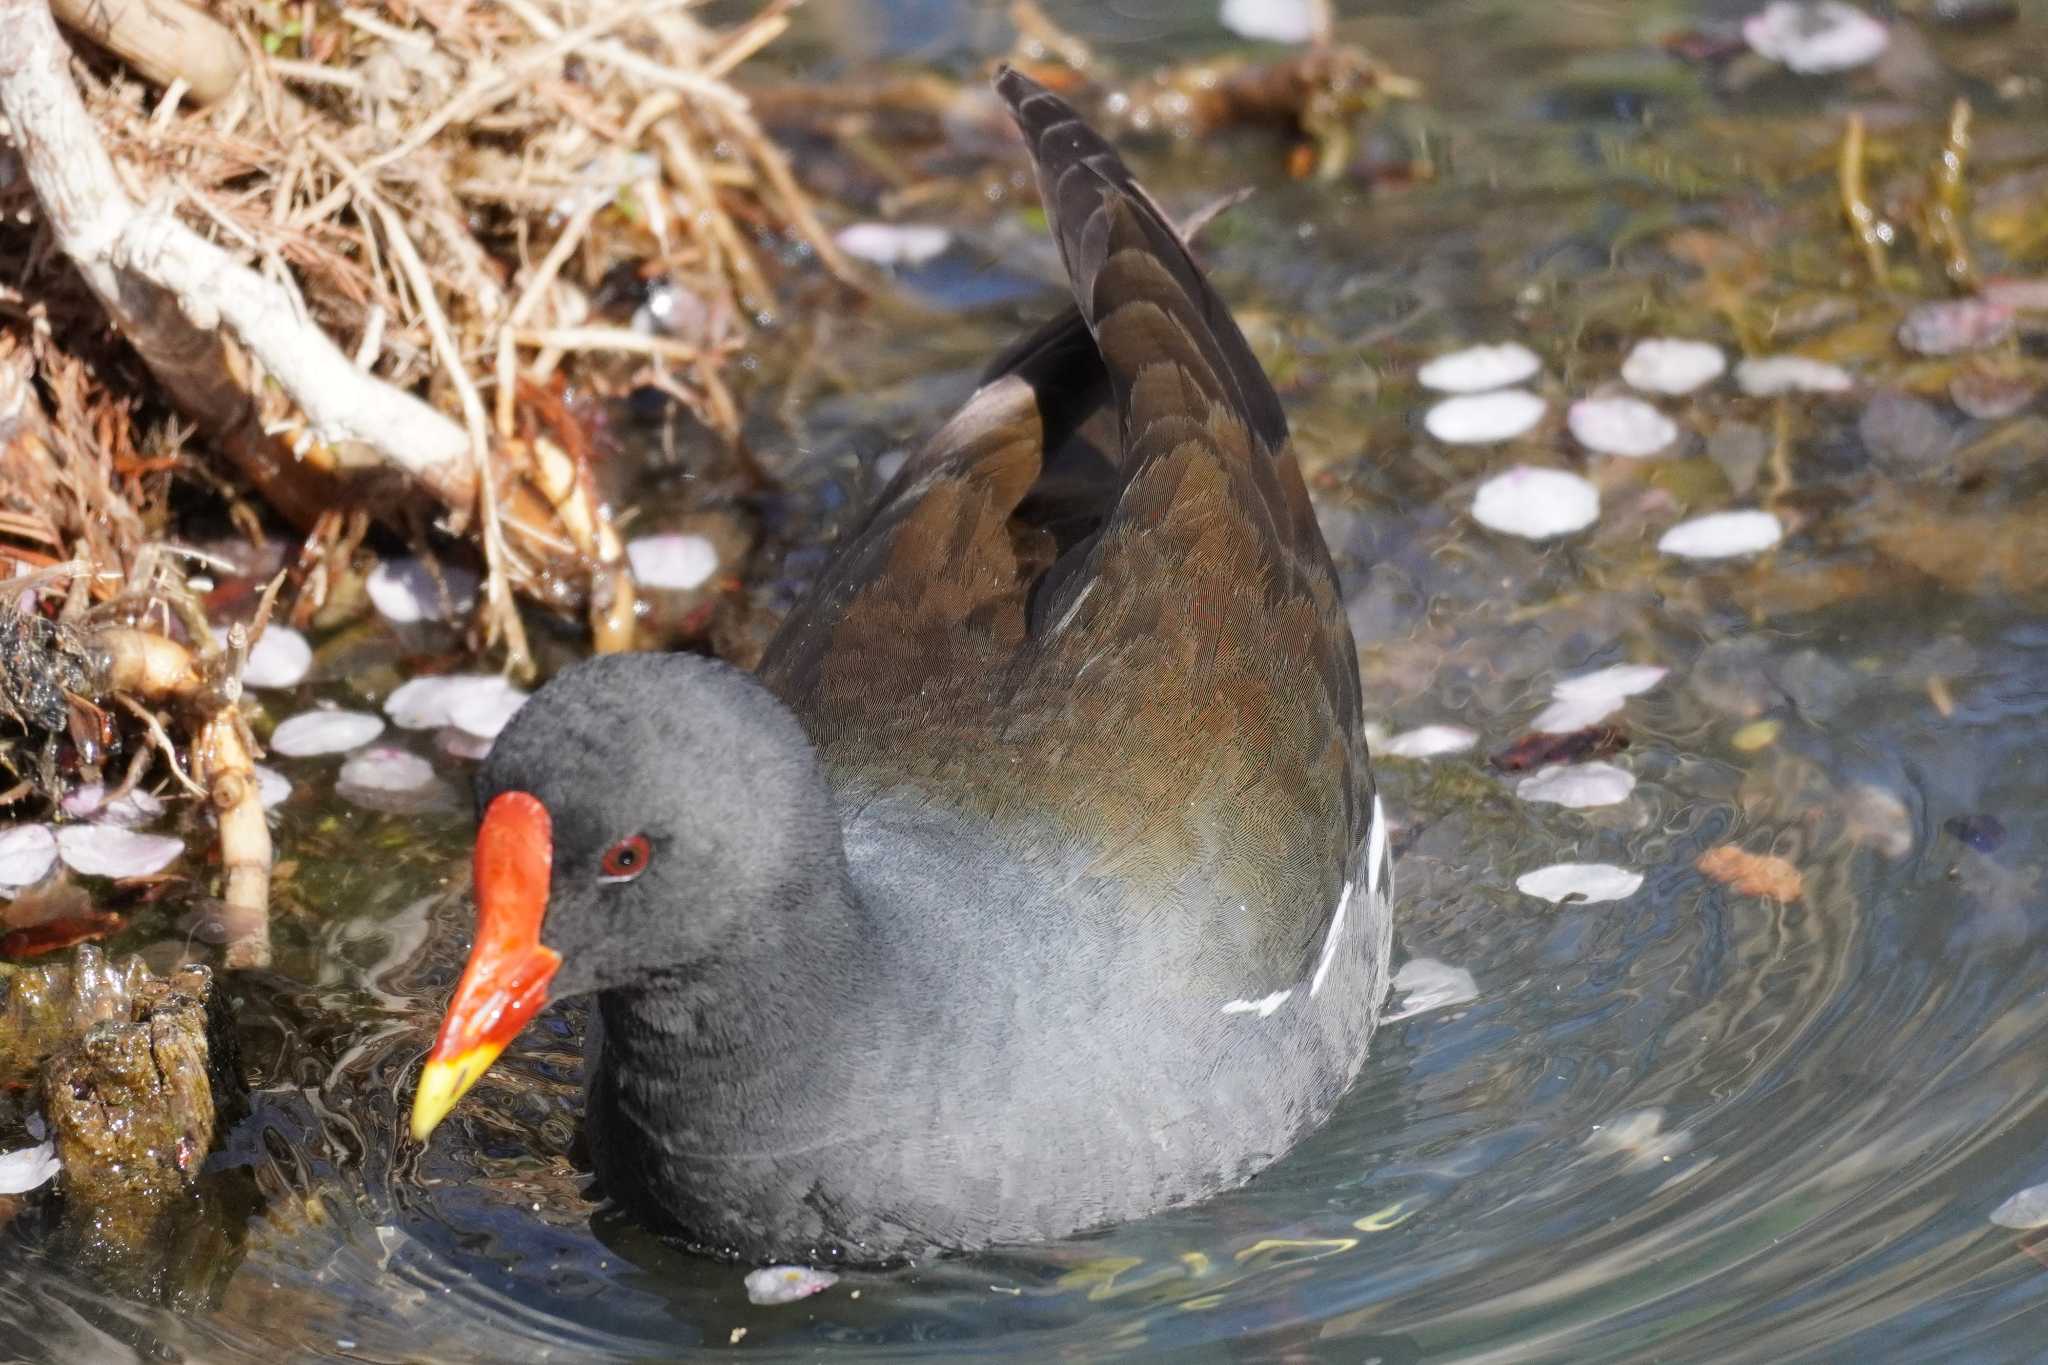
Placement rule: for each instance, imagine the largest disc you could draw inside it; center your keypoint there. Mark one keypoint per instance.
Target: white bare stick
(120, 248)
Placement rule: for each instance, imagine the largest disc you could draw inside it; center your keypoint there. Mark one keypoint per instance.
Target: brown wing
(1135, 639)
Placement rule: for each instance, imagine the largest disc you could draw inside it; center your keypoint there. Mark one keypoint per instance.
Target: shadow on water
(1689, 1124)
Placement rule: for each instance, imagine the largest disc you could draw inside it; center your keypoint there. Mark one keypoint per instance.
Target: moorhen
(1036, 880)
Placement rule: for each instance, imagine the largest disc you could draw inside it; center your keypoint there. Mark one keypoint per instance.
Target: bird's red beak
(506, 981)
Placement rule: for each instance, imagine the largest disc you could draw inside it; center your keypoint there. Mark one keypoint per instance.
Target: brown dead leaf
(1752, 874)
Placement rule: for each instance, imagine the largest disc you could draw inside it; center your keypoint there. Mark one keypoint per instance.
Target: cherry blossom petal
(1723, 535)
(1578, 786)
(678, 561)
(28, 1169)
(1477, 369)
(1620, 425)
(1427, 984)
(894, 244)
(1767, 376)
(1275, 21)
(779, 1284)
(2027, 1209)
(1583, 883)
(1536, 503)
(324, 732)
(1429, 741)
(281, 657)
(27, 853)
(1484, 418)
(1672, 365)
(1815, 37)
(110, 851)
(405, 591)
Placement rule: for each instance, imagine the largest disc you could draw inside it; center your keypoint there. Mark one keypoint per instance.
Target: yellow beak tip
(444, 1082)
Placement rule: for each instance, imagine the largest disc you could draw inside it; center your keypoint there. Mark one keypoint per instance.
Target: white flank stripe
(1262, 1008)
(1376, 878)
(1330, 943)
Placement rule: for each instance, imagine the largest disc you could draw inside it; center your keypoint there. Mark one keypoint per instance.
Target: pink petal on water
(1766, 376)
(1815, 37)
(28, 1169)
(2027, 1209)
(894, 244)
(324, 732)
(1536, 504)
(480, 703)
(1620, 425)
(130, 810)
(1477, 369)
(389, 779)
(1428, 741)
(272, 786)
(1484, 418)
(1275, 21)
(1578, 786)
(1581, 882)
(778, 1284)
(405, 591)
(1672, 365)
(677, 561)
(110, 851)
(1427, 984)
(1723, 535)
(459, 743)
(27, 853)
(281, 657)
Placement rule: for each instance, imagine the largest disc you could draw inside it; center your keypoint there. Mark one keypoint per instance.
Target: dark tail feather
(1141, 293)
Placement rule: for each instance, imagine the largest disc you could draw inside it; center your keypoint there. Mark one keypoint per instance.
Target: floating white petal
(1536, 503)
(894, 244)
(1590, 698)
(1577, 785)
(1428, 741)
(405, 591)
(1273, 21)
(324, 732)
(1768, 375)
(1619, 425)
(778, 1284)
(280, 657)
(272, 786)
(387, 769)
(678, 561)
(27, 853)
(2027, 1209)
(1580, 882)
(480, 703)
(28, 1169)
(1672, 365)
(390, 779)
(458, 743)
(1815, 37)
(1568, 714)
(1723, 535)
(129, 810)
(1428, 984)
(1479, 368)
(1483, 418)
(1639, 1136)
(110, 851)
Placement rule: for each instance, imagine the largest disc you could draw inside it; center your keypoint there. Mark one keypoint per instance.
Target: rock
(1739, 449)
(1906, 436)
(133, 1108)
(1953, 326)
(47, 1005)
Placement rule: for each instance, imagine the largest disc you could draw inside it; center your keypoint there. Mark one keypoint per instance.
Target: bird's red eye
(626, 859)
